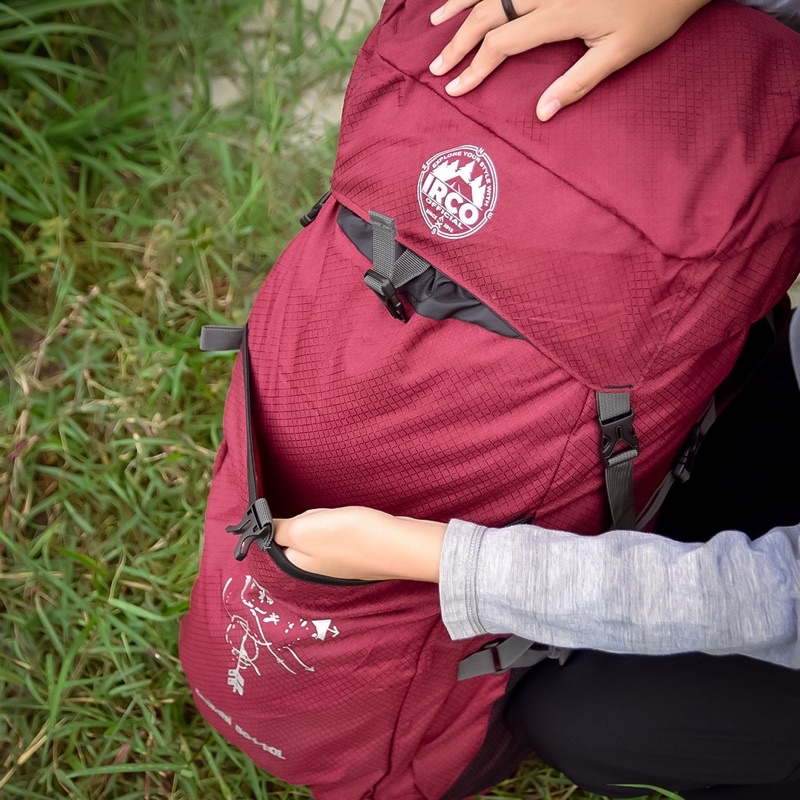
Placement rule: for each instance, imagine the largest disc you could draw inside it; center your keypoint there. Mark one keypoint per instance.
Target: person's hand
(615, 31)
(362, 544)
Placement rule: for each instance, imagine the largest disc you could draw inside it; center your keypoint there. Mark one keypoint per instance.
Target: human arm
(362, 544)
(616, 32)
(624, 591)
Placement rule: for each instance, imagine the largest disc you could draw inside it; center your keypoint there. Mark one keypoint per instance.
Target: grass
(132, 211)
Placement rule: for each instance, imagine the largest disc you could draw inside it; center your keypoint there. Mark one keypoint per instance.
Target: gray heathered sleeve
(787, 11)
(625, 591)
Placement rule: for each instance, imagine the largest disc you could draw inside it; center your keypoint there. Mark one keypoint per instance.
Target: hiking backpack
(466, 329)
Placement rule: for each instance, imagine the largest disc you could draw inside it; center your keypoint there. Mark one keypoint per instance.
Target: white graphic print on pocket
(256, 625)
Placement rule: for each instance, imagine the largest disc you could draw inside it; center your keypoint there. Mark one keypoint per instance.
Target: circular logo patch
(457, 191)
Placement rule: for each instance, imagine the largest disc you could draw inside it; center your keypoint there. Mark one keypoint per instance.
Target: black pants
(705, 727)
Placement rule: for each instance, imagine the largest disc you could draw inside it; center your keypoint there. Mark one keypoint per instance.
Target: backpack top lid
(655, 219)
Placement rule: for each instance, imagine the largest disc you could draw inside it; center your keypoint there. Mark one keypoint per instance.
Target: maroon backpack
(481, 300)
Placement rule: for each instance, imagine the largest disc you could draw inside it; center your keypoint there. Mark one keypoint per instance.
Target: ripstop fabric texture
(631, 242)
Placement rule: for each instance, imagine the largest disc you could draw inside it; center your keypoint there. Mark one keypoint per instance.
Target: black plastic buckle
(257, 523)
(313, 212)
(684, 463)
(615, 431)
(386, 292)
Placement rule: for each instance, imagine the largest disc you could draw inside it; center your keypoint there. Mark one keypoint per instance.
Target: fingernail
(437, 65)
(437, 15)
(453, 85)
(548, 110)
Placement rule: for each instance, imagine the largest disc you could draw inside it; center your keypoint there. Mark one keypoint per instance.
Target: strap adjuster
(497, 664)
(535, 653)
(542, 651)
(256, 524)
(684, 463)
(616, 431)
(386, 292)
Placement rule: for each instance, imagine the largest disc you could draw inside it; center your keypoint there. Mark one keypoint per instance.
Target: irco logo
(457, 191)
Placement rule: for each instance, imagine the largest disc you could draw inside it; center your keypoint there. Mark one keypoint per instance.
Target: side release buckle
(256, 524)
(616, 431)
(386, 292)
(313, 212)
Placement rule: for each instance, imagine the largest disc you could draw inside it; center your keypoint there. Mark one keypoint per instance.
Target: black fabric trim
(284, 565)
(432, 294)
(501, 753)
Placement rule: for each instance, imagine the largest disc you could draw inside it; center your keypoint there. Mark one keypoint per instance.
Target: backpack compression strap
(257, 523)
(619, 446)
(615, 417)
(387, 274)
(499, 656)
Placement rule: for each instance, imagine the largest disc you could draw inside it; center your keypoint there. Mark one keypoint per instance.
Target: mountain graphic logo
(457, 191)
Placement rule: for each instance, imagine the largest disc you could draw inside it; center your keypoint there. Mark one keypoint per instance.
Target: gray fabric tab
(613, 404)
(408, 267)
(388, 274)
(400, 271)
(217, 338)
(383, 236)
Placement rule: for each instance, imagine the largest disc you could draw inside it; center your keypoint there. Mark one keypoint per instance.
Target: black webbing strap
(257, 523)
(681, 467)
(387, 274)
(618, 448)
(760, 341)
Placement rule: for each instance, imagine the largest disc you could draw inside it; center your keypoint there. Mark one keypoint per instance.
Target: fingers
(282, 531)
(450, 9)
(289, 532)
(499, 39)
(616, 32)
(485, 17)
(595, 66)
(300, 560)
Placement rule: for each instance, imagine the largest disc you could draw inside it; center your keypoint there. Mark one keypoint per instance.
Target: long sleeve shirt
(626, 591)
